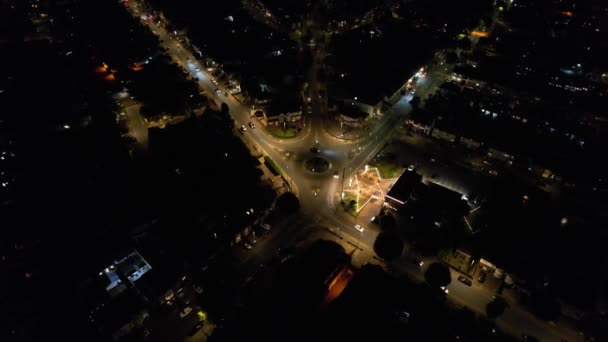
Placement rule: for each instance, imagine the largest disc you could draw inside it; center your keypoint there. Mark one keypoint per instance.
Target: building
(405, 188)
(283, 111)
(353, 114)
(116, 306)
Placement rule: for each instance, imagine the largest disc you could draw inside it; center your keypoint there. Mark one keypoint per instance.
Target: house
(117, 308)
(283, 110)
(352, 113)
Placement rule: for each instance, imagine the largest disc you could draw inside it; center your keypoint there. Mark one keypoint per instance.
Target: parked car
(247, 245)
(359, 228)
(482, 276)
(465, 280)
(251, 124)
(243, 129)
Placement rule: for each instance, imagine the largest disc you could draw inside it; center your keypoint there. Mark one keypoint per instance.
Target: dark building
(407, 187)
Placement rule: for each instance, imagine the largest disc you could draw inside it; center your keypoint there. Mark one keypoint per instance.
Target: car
(465, 280)
(336, 175)
(247, 245)
(217, 91)
(481, 277)
(185, 312)
(493, 172)
(411, 167)
(251, 239)
(359, 228)
(243, 129)
(251, 124)
(214, 81)
(198, 69)
(315, 150)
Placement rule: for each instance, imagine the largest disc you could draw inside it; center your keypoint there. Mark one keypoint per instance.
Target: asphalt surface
(319, 194)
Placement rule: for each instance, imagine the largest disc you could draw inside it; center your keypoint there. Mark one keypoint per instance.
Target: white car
(243, 129)
(359, 228)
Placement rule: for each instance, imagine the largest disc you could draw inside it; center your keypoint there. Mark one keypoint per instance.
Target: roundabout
(317, 165)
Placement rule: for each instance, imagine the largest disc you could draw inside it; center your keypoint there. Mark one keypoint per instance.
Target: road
(319, 194)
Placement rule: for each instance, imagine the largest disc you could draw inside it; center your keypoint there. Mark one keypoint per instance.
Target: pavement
(319, 194)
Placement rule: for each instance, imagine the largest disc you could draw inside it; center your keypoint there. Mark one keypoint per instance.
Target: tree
(464, 44)
(225, 116)
(496, 307)
(388, 245)
(438, 275)
(387, 222)
(545, 306)
(288, 203)
(451, 57)
(225, 109)
(415, 101)
(352, 205)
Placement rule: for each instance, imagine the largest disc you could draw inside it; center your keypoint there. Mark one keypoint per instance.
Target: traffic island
(317, 165)
(281, 133)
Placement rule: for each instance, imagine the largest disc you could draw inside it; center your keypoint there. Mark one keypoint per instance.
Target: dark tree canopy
(415, 101)
(388, 245)
(388, 222)
(545, 306)
(438, 275)
(496, 308)
(288, 203)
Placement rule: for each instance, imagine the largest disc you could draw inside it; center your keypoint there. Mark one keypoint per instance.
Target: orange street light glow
(337, 285)
(567, 13)
(480, 34)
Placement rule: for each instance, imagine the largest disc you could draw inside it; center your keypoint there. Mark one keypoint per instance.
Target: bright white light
(66, 126)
